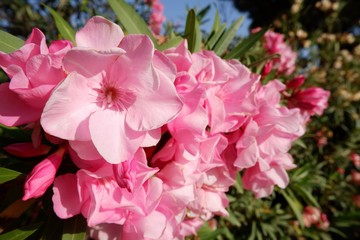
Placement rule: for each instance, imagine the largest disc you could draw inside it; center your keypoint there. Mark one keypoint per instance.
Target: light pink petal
(99, 34)
(152, 137)
(85, 150)
(134, 69)
(69, 107)
(14, 111)
(112, 138)
(154, 109)
(89, 62)
(145, 227)
(66, 196)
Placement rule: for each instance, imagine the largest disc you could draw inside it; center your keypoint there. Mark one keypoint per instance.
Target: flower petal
(99, 34)
(68, 109)
(112, 138)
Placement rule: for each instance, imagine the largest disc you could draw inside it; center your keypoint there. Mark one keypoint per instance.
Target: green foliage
(192, 32)
(64, 28)
(9, 43)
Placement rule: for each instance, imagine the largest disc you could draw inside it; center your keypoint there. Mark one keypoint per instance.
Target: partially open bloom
(34, 71)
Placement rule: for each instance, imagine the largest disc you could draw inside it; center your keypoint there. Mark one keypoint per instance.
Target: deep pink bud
(43, 175)
(26, 149)
(267, 68)
(296, 82)
(310, 101)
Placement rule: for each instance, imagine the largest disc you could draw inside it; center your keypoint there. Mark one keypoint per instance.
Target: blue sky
(175, 11)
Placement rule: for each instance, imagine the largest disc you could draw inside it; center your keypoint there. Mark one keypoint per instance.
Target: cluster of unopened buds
(157, 138)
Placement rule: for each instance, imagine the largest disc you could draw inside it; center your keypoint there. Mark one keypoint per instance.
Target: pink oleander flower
(355, 159)
(311, 215)
(34, 70)
(101, 198)
(43, 175)
(274, 44)
(310, 101)
(157, 17)
(118, 106)
(355, 177)
(321, 138)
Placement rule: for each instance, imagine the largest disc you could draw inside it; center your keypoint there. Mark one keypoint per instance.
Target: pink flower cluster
(313, 216)
(275, 44)
(157, 17)
(158, 137)
(311, 101)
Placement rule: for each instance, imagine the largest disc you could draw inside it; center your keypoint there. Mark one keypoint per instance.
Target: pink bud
(267, 69)
(26, 149)
(324, 222)
(42, 176)
(355, 158)
(296, 82)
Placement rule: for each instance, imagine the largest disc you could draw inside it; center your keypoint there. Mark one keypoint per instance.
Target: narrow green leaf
(215, 36)
(20, 233)
(64, 28)
(239, 184)
(9, 43)
(245, 45)
(75, 228)
(206, 233)
(228, 37)
(130, 19)
(173, 42)
(233, 219)
(294, 205)
(305, 194)
(202, 13)
(217, 22)
(192, 32)
(8, 174)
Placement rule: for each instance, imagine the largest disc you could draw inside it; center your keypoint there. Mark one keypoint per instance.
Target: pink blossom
(323, 222)
(311, 215)
(100, 198)
(274, 44)
(310, 101)
(130, 97)
(43, 175)
(267, 69)
(157, 17)
(355, 177)
(355, 158)
(296, 82)
(34, 71)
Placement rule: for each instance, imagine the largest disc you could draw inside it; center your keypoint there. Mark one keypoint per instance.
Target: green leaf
(192, 32)
(173, 42)
(215, 36)
(8, 174)
(20, 233)
(305, 194)
(228, 37)
(217, 22)
(206, 233)
(245, 45)
(202, 13)
(9, 43)
(63, 27)
(238, 184)
(294, 204)
(130, 19)
(75, 228)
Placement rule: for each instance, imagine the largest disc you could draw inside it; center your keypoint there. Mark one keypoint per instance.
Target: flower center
(113, 96)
